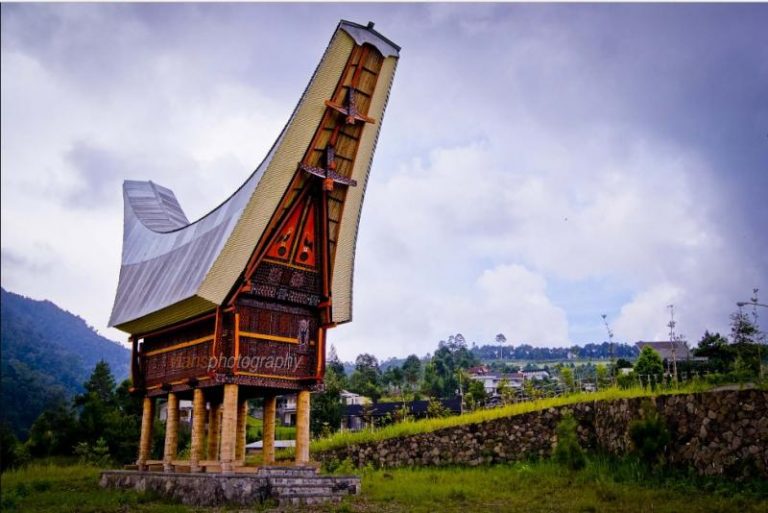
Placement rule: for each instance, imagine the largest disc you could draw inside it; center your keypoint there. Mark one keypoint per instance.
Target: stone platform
(279, 485)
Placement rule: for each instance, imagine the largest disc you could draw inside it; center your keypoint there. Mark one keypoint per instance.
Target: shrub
(649, 435)
(436, 410)
(568, 452)
(96, 455)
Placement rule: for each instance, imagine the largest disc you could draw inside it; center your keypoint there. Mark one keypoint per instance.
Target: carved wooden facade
(237, 304)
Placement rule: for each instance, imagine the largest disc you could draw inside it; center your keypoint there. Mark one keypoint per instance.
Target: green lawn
(530, 487)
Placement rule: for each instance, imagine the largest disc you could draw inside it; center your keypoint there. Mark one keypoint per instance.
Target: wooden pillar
(171, 431)
(228, 428)
(145, 442)
(242, 426)
(268, 429)
(213, 431)
(198, 430)
(302, 428)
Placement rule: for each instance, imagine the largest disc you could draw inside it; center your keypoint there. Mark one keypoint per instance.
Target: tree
(505, 391)
(715, 348)
(743, 330)
(567, 376)
(54, 432)
(111, 413)
(96, 402)
(476, 393)
(432, 385)
(12, 452)
(393, 378)
(412, 371)
(745, 339)
(601, 376)
(327, 409)
(366, 379)
(333, 362)
(501, 340)
(649, 364)
(101, 383)
(449, 358)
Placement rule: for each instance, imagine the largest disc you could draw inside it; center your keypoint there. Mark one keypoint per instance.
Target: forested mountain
(47, 354)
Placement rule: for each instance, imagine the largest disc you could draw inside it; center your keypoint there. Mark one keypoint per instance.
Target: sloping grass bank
(414, 427)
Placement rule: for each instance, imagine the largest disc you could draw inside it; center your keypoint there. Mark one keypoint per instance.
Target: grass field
(532, 487)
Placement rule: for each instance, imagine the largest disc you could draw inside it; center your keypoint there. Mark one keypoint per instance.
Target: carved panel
(277, 340)
(180, 335)
(177, 364)
(283, 283)
(277, 359)
(276, 319)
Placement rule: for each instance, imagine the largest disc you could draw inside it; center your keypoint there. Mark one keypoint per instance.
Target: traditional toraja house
(237, 304)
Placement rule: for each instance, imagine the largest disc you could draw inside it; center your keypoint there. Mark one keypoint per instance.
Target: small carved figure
(275, 274)
(303, 337)
(297, 279)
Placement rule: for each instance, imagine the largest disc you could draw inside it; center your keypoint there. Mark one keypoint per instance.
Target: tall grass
(414, 427)
(605, 485)
(56, 488)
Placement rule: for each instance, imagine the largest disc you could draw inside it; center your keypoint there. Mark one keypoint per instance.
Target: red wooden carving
(281, 246)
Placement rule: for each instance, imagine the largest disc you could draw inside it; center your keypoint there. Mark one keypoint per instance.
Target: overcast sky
(538, 165)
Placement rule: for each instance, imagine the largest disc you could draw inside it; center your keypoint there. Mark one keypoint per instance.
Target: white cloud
(523, 155)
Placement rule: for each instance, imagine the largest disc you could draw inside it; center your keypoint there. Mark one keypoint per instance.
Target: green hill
(47, 354)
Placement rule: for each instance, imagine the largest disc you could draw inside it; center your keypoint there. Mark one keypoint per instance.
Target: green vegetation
(101, 425)
(63, 489)
(649, 364)
(649, 435)
(568, 452)
(411, 427)
(604, 485)
(255, 428)
(47, 354)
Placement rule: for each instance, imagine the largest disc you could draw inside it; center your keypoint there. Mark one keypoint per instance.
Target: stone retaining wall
(716, 433)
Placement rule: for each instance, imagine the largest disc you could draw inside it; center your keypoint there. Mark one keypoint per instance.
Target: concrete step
(346, 485)
(302, 491)
(287, 471)
(308, 500)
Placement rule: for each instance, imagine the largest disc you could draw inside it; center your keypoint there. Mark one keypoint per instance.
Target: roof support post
(198, 430)
(171, 432)
(145, 442)
(268, 429)
(213, 431)
(228, 428)
(302, 427)
(242, 427)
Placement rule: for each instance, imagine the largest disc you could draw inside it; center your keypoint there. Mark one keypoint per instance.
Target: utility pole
(673, 340)
(461, 394)
(610, 342)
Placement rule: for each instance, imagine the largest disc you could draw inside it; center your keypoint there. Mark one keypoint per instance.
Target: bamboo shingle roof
(172, 269)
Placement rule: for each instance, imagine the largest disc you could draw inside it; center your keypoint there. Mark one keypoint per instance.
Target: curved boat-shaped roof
(172, 269)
